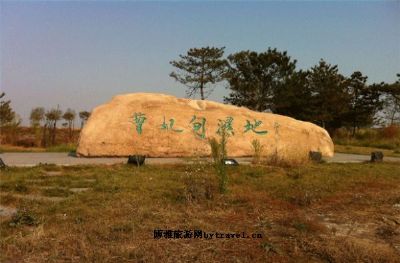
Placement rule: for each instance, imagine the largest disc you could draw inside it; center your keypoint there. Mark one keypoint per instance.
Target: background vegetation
(353, 111)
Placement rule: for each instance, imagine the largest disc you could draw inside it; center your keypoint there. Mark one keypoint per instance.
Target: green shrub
(219, 153)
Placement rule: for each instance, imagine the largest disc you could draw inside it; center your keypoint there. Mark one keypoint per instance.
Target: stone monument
(158, 125)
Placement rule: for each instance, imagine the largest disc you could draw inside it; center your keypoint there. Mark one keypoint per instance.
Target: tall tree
(84, 116)
(52, 117)
(37, 116)
(46, 130)
(254, 77)
(69, 116)
(364, 102)
(330, 99)
(293, 99)
(199, 69)
(9, 121)
(7, 115)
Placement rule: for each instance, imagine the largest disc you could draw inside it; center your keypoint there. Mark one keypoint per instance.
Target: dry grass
(27, 139)
(365, 150)
(382, 138)
(13, 148)
(56, 148)
(318, 213)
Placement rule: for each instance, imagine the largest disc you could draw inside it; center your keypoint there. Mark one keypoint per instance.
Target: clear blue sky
(80, 54)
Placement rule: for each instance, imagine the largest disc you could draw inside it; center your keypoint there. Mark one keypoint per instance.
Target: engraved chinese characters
(198, 125)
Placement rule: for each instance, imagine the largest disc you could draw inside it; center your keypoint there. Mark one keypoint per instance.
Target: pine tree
(199, 69)
(254, 77)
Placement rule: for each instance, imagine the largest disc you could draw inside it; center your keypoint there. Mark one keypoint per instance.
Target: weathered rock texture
(174, 127)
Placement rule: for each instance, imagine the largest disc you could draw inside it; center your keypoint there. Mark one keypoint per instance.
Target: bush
(20, 187)
(390, 132)
(9, 134)
(385, 138)
(26, 142)
(367, 134)
(219, 153)
(24, 217)
(197, 186)
(275, 160)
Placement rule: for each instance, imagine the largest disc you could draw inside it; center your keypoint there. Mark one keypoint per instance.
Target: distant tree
(391, 101)
(7, 115)
(46, 132)
(254, 77)
(330, 99)
(37, 116)
(200, 68)
(52, 117)
(84, 116)
(69, 116)
(9, 121)
(364, 102)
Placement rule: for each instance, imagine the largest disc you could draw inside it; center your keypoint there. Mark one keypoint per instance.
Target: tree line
(270, 82)
(48, 120)
(43, 122)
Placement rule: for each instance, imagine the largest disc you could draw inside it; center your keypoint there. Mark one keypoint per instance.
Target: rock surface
(158, 125)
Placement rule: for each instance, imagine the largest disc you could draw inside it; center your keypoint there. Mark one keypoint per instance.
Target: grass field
(320, 213)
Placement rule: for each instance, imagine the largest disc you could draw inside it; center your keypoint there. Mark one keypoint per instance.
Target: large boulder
(158, 125)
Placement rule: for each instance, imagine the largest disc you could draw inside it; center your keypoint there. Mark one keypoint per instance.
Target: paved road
(32, 159)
